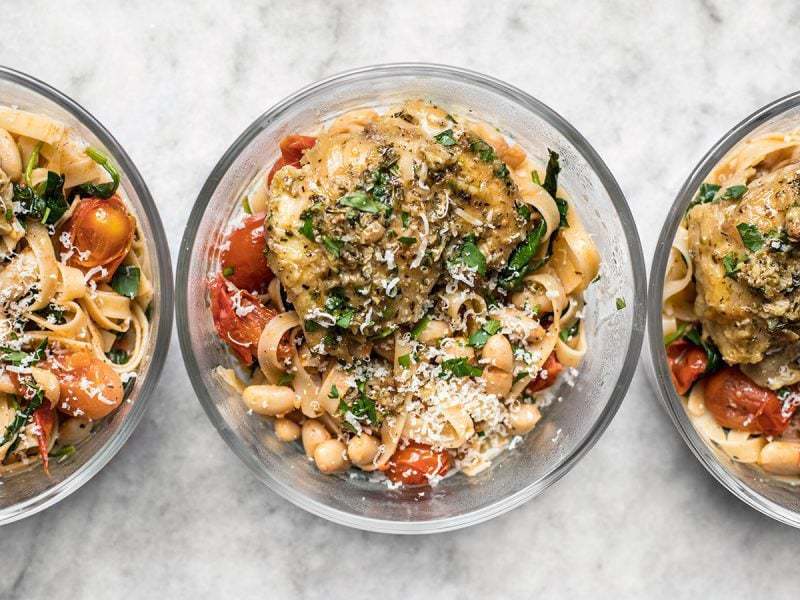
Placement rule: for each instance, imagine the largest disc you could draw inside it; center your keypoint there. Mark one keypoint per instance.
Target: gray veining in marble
(175, 515)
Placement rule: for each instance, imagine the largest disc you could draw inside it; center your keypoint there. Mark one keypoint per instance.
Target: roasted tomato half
(687, 364)
(243, 259)
(416, 463)
(44, 418)
(292, 149)
(99, 233)
(90, 387)
(739, 403)
(239, 319)
(547, 375)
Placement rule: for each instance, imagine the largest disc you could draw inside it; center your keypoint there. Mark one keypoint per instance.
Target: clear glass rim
(638, 305)
(664, 388)
(95, 463)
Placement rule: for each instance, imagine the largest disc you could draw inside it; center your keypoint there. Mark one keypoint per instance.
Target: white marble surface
(176, 515)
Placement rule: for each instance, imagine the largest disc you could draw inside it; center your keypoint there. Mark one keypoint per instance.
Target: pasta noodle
(75, 289)
(414, 281)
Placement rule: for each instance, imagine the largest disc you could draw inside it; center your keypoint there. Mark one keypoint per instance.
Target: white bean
(498, 353)
(781, 458)
(524, 418)
(496, 381)
(313, 433)
(433, 332)
(74, 430)
(269, 400)
(362, 449)
(286, 430)
(331, 456)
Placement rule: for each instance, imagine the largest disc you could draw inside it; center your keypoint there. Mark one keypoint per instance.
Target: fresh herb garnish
(570, 332)
(735, 192)
(484, 151)
(470, 256)
(21, 417)
(246, 206)
(404, 218)
(285, 378)
(620, 303)
(731, 263)
(362, 201)
(126, 281)
(751, 236)
(519, 263)
(118, 356)
(307, 228)
(417, 330)
(705, 194)
(332, 245)
(712, 353)
(446, 138)
(407, 241)
(404, 360)
(551, 174)
(99, 190)
(312, 326)
(482, 335)
(334, 393)
(44, 201)
(228, 271)
(460, 367)
(524, 211)
(563, 208)
(675, 335)
(19, 358)
(362, 408)
(62, 453)
(535, 177)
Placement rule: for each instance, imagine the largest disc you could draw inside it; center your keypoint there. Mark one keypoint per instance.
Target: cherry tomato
(100, 233)
(415, 463)
(737, 402)
(90, 387)
(687, 364)
(243, 259)
(292, 149)
(553, 368)
(45, 419)
(239, 319)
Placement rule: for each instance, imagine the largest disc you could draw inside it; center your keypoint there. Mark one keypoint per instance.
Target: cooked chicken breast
(747, 269)
(360, 234)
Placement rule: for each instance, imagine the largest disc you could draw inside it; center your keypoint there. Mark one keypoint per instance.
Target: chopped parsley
(484, 151)
(407, 241)
(332, 245)
(520, 259)
(735, 192)
(482, 335)
(246, 205)
(731, 263)
(460, 367)
(417, 330)
(404, 218)
(362, 201)
(470, 256)
(285, 378)
(570, 332)
(751, 236)
(62, 453)
(712, 353)
(363, 407)
(404, 360)
(228, 271)
(118, 356)
(620, 303)
(334, 393)
(446, 138)
(307, 228)
(551, 174)
(19, 358)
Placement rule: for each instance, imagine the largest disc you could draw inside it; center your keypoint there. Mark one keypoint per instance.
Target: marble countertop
(176, 515)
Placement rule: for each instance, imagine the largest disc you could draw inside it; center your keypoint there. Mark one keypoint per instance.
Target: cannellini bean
(781, 458)
(74, 430)
(313, 433)
(497, 381)
(331, 456)
(48, 382)
(433, 332)
(457, 348)
(286, 430)
(269, 400)
(498, 353)
(523, 418)
(10, 159)
(362, 449)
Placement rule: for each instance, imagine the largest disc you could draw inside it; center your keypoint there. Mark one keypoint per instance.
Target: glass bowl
(770, 496)
(568, 428)
(31, 490)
